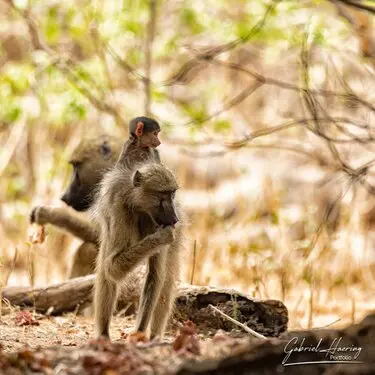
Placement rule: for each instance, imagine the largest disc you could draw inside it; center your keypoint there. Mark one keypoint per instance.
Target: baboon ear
(139, 130)
(105, 149)
(137, 179)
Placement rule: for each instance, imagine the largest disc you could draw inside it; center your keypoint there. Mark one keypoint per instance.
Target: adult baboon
(136, 213)
(90, 160)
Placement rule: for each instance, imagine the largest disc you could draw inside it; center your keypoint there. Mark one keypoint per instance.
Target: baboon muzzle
(166, 215)
(166, 221)
(78, 202)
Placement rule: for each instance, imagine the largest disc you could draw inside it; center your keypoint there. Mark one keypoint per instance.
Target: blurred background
(267, 111)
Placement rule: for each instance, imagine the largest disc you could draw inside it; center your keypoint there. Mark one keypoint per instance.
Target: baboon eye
(76, 164)
(105, 149)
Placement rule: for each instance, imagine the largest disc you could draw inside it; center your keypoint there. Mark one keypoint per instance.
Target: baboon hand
(38, 215)
(165, 235)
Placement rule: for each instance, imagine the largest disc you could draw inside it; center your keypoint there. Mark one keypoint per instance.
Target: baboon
(142, 143)
(90, 160)
(136, 213)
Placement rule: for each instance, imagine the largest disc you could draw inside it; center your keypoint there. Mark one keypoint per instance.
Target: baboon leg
(104, 303)
(151, 290)
(61, 218)
(167, 294)
(84, 260)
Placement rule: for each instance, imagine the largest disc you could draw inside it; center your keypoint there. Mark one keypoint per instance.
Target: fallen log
(267, 317)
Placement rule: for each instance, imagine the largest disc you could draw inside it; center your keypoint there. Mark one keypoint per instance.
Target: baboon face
(156, 191)
(150, 139)
(90, 161)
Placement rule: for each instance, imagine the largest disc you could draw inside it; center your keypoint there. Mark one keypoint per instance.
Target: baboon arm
(61, 218)
(124, 259)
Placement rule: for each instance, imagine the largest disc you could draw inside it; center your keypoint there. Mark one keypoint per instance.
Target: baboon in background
(136, 213)
(90, 160)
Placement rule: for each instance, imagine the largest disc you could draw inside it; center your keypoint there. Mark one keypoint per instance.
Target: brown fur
(90, 160)
(132, 153)
(129, 208)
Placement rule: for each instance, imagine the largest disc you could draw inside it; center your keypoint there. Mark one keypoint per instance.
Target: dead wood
(267, 317)
(259, 357)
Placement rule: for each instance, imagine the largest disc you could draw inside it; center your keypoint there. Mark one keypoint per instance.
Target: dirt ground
(64, 345)
(31, 343)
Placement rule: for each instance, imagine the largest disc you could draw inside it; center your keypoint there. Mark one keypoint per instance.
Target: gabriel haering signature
(335, 353)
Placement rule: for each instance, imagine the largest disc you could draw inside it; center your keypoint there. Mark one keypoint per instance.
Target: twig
(353, 309)
(11, 145)
(148, 53)
(311, 303)
(358, 5)
(245, 328)
(194, 259)
(124, 310)
(210, 53)
(327, 325)
(239, 98)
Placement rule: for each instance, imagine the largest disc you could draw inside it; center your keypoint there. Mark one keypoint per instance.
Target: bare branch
(210, 53)
(359, 5)
(148, 63)
(124, 64)
(62, 63)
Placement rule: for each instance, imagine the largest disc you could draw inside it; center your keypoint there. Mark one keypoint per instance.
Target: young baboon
(142, 143)
(136, 213)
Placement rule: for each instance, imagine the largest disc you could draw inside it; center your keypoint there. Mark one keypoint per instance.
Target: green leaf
(52, 32)
(51, 25)
(190, 18)
(134, 56)
(221, 125)
(17, 76)
(243, 29)
(132, 26)
(76, 111)
(158, 96)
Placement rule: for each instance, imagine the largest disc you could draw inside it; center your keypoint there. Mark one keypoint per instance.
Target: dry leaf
(187, 340)
(36, 233)
(136, 337)
(25, 318)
